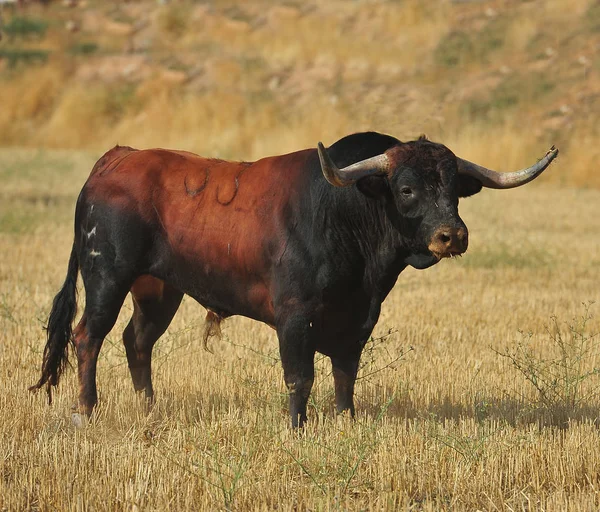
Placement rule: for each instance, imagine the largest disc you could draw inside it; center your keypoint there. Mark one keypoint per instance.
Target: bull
(309, 243)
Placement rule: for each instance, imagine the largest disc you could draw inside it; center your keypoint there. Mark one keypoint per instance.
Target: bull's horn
(379, 164)
(493, 179)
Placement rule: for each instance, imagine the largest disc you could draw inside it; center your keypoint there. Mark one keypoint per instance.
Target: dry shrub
(563, 374)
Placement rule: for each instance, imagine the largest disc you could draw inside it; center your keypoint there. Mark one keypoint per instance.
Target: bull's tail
(59, 330)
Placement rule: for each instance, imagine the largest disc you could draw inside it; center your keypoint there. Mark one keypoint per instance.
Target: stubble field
(479, 389)
(445, 421)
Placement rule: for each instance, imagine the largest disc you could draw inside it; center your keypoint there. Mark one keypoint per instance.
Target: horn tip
(323, 155)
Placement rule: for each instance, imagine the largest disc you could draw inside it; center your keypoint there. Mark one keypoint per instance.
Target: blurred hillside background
(496, 81)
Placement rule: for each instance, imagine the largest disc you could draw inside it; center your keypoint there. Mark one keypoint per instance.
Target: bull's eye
(406, 192)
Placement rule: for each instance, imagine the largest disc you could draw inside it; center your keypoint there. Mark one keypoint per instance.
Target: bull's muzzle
(448, 241)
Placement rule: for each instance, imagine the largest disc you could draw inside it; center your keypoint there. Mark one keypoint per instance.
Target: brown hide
(220, 216)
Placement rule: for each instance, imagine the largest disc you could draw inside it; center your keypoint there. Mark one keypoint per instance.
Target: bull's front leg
(344, 377)
(297, 351)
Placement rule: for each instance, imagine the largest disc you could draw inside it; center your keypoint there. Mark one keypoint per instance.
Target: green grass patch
(26, 28)
(22, 213)
(462, 47)
(84, 48)
(28, 167)
(454, 49)
(515, 90)
(17, 56)
(119, 100)
(592, 17)
(40, 188)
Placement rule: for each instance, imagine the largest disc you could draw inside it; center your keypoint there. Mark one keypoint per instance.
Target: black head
(420, 183)
(420, 190)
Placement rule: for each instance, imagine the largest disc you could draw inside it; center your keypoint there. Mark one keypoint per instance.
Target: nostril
(444, 238)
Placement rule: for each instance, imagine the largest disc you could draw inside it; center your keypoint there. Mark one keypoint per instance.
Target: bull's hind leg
(154, 305)
(104, 298)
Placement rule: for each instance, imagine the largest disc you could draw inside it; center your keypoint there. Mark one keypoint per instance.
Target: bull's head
(420, 183)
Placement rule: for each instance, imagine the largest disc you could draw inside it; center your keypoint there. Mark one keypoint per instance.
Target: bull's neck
(363, 235)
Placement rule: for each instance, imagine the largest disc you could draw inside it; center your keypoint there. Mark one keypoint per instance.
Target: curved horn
(379, 164)
(501, 180)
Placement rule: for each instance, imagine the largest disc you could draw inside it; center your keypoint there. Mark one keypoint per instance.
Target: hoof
(79, 420)
(145, 400)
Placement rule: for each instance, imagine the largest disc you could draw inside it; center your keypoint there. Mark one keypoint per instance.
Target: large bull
(309, 243)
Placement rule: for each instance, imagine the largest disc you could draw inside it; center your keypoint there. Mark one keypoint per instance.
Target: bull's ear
(468, 186)
(375, 187)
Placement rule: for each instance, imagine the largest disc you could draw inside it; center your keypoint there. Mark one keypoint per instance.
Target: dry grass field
(480, 389)
(445, 421)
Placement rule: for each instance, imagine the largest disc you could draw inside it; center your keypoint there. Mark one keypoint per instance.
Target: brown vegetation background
(497, 81)
(480, 387)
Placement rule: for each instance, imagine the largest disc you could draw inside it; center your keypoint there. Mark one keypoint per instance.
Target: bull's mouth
(429, 258)
(452, 254)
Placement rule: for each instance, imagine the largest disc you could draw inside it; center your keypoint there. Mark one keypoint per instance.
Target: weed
(221, 465)
(335, 469)
(377, 361)
(567, 379)
(482, 407)
(471, 447)
(376, 356)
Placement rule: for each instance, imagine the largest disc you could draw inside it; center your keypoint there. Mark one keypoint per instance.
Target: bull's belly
(226, 294)
(339, 327)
